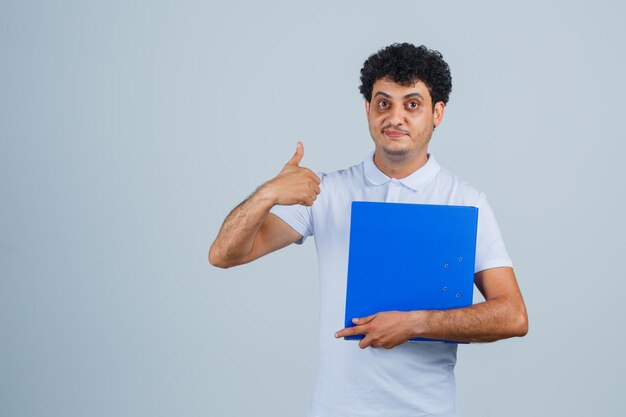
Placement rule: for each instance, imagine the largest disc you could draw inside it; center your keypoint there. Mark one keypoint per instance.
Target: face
(401, 119)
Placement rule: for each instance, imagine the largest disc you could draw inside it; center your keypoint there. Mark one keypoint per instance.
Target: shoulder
(459, 189)
(342, 177)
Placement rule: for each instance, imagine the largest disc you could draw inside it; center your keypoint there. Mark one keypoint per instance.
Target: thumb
(297, 157)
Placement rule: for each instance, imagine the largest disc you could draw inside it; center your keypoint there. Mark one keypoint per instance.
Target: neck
(399, 167)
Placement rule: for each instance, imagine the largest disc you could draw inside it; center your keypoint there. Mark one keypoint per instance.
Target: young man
(406, 89)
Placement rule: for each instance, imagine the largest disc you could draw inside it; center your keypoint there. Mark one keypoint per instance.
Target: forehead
(394, 90)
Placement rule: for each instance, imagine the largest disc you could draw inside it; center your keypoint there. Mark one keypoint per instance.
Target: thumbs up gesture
(294, 184)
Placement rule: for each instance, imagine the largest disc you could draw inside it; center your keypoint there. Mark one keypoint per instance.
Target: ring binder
(407, 257)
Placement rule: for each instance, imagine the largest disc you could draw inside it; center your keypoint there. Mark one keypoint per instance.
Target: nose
(396, 115)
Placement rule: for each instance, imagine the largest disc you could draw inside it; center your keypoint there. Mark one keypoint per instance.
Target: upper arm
(273, 234)
(497, 282)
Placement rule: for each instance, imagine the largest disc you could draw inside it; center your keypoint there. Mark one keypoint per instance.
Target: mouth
(392, 133)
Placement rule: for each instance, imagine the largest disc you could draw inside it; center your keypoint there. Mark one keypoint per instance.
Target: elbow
(216, 260)
(520, 325)
(218, 263)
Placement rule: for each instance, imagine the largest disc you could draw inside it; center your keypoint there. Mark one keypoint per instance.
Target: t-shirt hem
(496, 263)
(284, 215)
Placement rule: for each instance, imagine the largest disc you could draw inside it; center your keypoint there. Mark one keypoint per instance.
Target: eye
(383, 104)
(412, 104)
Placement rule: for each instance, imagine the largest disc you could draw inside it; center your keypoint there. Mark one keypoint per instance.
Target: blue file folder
(407, 257)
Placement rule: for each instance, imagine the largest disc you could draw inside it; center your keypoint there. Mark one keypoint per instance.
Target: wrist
(265, 195)
(419, 323)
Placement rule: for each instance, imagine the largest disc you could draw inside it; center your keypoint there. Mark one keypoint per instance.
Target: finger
(363, 320)
(312, 195)
(297, 157)
(350, 331)
(314, 176)
(315, 188)
(312, 192)
(307, 200)
(365, 342)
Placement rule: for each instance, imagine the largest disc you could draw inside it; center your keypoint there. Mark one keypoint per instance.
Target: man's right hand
(293, 184)
(250, 230)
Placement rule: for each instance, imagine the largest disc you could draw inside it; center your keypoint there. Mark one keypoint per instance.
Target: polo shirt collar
(415, 181)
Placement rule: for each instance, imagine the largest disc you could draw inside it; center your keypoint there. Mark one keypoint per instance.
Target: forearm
(488, 321)
(503, 315)
(236, 236)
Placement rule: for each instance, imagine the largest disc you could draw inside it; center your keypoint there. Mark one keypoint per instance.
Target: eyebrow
(381, 93)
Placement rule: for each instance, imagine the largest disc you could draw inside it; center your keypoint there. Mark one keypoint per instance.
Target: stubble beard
(401, 154)
(397, 155)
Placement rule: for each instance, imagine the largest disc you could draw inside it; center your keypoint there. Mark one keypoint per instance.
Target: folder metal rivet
(460, 259)
(458, 295)
(445, 266)
(445, 288)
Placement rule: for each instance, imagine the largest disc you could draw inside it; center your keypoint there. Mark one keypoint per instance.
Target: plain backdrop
(129, 130)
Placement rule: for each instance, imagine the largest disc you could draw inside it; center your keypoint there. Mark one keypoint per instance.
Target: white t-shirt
(412, 379)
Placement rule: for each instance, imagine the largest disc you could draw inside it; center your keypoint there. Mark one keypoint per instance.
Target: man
(406, 89)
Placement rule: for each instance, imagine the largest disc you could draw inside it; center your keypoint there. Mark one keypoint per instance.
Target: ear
(367, 110)
(438, 112)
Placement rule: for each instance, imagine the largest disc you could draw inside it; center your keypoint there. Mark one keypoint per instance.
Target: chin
(396, 154)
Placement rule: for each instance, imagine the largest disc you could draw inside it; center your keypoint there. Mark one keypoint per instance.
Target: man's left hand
(383, 330)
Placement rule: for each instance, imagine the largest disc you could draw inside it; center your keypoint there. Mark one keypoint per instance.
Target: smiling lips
(392, 133)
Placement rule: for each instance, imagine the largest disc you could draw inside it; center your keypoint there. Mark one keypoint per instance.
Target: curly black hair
(404, 64)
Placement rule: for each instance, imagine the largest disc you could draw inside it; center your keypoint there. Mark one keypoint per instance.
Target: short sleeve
(490, 249)
(298, 217)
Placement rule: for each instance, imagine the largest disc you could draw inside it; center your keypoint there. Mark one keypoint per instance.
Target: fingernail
(355, 320)
(337, 334)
